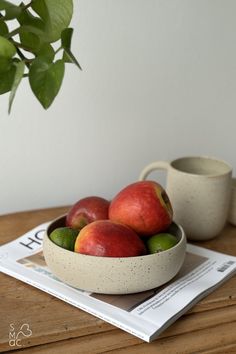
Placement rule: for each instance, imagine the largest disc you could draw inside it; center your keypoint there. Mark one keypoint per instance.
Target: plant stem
(13, 33)
(2, 18)
(19, 45)
(58, 49)
(21, 55)
(24, 7)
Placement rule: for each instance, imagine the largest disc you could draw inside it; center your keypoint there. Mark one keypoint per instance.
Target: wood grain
(210, 326)
(117, 339)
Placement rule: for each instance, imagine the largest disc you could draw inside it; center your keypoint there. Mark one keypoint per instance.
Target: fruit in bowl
(64, 237)
(128, 245)
(114, 275)
(144, 206)
(161, 242)
(86, 210)
(105, 238)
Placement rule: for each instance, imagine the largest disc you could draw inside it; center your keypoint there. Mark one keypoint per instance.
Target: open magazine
(144, 314)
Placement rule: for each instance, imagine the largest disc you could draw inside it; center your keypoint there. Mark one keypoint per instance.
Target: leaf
(46, 51)
(39, 26)
(26, 18)
(20, 67)
(69, 57)
(12, 11)
(30, 23)
(3, 29)
(5, 64)
(7, 49)
(5, 5)
(6, 80)
(66, 59)
(66, 36)
(29, 40)
(45, 79)
(56, 14)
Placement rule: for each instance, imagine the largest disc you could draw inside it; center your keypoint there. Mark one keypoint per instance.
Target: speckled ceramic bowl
(110, 275)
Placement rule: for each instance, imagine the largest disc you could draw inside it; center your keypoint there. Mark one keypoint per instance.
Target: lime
(161, 242)
(64, 237)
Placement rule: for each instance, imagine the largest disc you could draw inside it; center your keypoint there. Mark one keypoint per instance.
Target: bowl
(112, 275)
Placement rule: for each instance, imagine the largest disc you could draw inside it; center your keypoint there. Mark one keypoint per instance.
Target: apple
(144, 206)
(87, 210)
(105, 238)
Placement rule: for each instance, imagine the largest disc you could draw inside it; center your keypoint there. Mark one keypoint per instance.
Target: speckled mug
(199, 190)
(232, 208)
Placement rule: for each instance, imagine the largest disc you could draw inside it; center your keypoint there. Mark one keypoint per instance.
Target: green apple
(64, 237)
(161, 242)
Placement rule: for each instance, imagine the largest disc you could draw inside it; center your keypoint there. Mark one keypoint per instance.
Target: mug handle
(158, 165)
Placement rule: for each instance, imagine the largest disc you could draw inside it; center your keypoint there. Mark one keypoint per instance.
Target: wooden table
(57, 327)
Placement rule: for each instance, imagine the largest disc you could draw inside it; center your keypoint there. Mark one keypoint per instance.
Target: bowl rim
(87, 256)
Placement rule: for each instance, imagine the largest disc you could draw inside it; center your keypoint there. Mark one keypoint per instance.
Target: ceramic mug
(232, 208)
(199, 190)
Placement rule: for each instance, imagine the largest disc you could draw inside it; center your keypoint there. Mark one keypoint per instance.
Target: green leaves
(3, 29)
(11, 10)
(7, 49)
(5, 64)
(40, 50)
(6, 79)
(29, 40)
(45, 79)
(56, 15)
(19, 72)
(46, 51)
(68, 56)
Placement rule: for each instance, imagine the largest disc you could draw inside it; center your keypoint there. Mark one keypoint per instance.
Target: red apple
(87, 210)
(105, 238)
(144, 206)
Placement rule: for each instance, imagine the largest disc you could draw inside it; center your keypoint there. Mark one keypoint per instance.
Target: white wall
(158, 82)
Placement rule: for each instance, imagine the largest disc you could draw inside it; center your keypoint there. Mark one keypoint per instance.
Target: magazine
(144, 314)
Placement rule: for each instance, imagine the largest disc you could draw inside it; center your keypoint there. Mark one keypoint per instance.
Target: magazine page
(144, 314)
